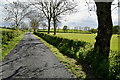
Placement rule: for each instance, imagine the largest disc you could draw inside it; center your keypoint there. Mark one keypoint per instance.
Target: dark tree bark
(54, 23)
(105, 25)
(102, 44)
(49, 26)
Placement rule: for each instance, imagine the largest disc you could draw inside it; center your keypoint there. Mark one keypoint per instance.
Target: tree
(36, 19)
(105, 25)
(60, 7)
(46, 8)
(34, 23)
(116, 29)
(16, 11)
(44, 25)
(93, 30)
(104, 34)
(52, 9)
(65, 28)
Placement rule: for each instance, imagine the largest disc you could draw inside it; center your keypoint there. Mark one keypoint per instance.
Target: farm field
(3, 29)
(89, 38)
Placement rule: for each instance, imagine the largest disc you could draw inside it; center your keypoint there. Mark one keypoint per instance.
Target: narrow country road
(32, 59)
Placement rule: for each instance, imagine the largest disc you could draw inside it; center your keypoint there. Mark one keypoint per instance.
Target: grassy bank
(84, 52)
(9, 44)
(70, 63)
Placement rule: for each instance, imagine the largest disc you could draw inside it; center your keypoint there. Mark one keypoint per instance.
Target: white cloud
(84, 18)
(81, 18)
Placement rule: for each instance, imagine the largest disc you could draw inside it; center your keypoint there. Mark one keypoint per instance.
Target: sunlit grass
(10, 45)
(3, 29)
(69, 63)
(89, 38)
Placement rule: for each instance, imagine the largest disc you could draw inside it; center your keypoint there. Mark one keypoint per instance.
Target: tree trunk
(54, 23)
(48, 26)
(105, 25)
(102, 45)
(16, 27)
(34, 30)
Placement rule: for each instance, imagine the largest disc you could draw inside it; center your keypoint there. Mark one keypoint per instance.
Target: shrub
(66, 46)
(9, 35)
(84, 52)
(114, 65)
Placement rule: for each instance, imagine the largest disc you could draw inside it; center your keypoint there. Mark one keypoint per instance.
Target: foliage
(68, 31)
(114, 65)
(9, 35)
(65, 28)
(84, 52)
(89, 38)
(93, 30)
(66, 46)
(70, 63)
(116, 29)
(9, 41)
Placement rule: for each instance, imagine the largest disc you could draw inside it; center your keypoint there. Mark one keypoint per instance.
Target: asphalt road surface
(32, 59)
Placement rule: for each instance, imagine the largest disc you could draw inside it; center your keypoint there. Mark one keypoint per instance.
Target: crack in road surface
(32, 59)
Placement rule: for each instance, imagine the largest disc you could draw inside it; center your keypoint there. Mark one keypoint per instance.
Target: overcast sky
(81, 18)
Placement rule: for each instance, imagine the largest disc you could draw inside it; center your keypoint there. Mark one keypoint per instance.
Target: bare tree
(44, 25)
(16, 11)
(34, 23)
(61, 7)
(52, 9)
(45, 7)
(36, 19)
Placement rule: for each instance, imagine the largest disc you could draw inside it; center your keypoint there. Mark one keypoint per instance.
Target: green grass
(3, 29)
(11, 44)
(69, 63)
(67, 31)
(89, 38)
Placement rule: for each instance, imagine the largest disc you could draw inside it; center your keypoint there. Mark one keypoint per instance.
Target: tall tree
(105, 25)
(46, 8)
(36, 19)
(34, 23)
(104, 34)
(60, 7)
(16, 11)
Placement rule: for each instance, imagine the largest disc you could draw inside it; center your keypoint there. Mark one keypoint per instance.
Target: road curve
(32, 59)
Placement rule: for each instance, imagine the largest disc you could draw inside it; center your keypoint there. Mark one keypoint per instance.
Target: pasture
(89, 38)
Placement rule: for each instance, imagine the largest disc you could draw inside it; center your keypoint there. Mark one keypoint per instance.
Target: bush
(66, 46)
(114, 65)
(9, 35)
(84, 52)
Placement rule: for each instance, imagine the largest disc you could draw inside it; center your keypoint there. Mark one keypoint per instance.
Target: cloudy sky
(82, 18)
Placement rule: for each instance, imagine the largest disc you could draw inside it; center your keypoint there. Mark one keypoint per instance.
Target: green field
(89, 38)
(3, 29)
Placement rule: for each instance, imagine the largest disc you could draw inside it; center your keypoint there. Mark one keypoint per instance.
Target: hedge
(9, 35)
(65, 46)
(84, 52)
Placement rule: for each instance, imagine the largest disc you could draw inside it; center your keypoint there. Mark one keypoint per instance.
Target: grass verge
(11, 44)
(69, 63)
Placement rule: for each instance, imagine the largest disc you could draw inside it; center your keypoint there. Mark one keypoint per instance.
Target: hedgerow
(9, 35)
(65, 46)
(84, 52)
